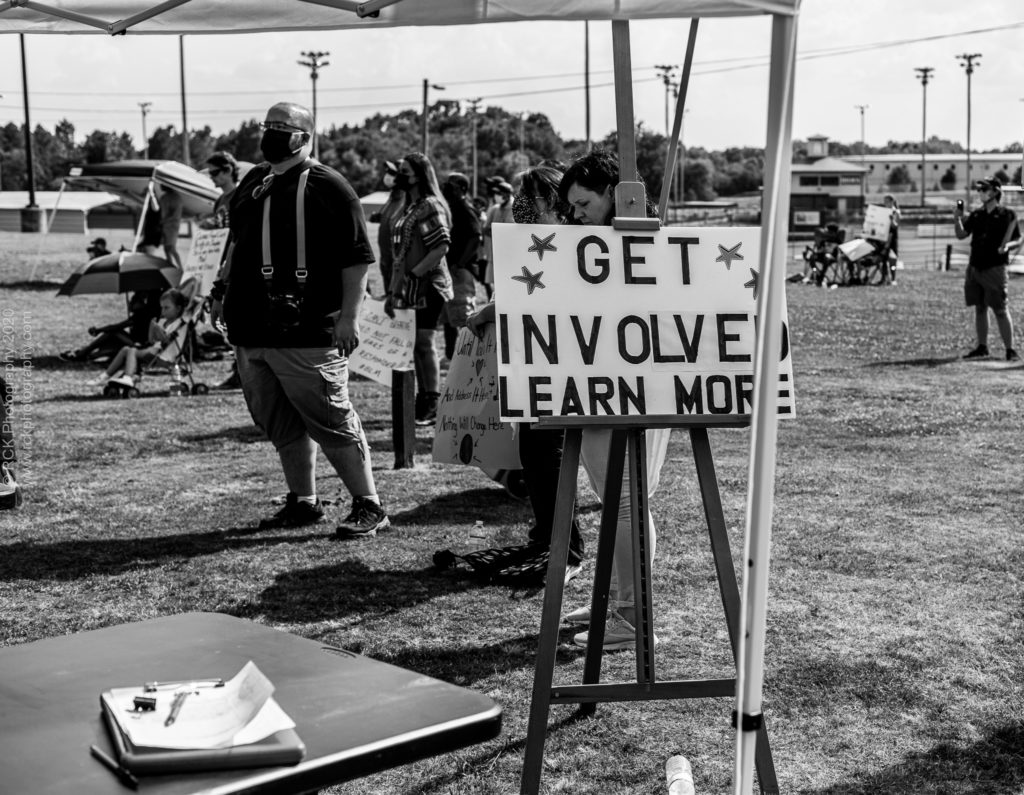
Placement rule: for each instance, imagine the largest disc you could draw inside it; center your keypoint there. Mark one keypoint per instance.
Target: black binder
(281, 748)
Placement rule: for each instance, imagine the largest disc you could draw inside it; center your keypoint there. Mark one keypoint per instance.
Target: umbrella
(122, 272)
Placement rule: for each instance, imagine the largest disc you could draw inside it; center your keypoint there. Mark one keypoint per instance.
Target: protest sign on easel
(629, 329)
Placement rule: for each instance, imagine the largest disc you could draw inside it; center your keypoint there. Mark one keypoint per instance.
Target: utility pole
(665, 72)
(314, 61)
(967, 62)
(863, 176)
(144, 107)
(424, 132)
(586, 79)
(474, 105)
(923, 74)
(186, 156)
(30, 213)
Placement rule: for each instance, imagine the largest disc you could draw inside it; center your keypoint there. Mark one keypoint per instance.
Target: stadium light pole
(863, 176)
(144, 107)
(424, 132)
(923, 74)
(967, 62)
(186, 156)
(314, 61)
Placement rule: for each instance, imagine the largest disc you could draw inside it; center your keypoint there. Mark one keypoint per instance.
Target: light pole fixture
(315, 62)
(144, 107)
(863, 176)
(923, 74)
(967, 62)
(424, 132)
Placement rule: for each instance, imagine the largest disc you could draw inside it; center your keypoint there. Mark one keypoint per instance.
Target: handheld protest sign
(596, 322)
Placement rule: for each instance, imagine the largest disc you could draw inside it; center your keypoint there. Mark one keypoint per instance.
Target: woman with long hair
(420, 279)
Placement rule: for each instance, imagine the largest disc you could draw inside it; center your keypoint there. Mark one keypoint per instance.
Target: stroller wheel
(200, 389)
(110, 391)
(132, 393)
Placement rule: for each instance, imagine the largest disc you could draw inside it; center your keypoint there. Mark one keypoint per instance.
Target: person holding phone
(994, 233)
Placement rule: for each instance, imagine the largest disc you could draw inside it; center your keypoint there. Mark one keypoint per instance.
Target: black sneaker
(366, 518)
(1012, 355)
(981, 352)
(295, 513)
(426, 412)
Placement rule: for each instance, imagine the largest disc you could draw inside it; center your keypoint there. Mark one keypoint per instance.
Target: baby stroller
(175, 358)
(822, 261)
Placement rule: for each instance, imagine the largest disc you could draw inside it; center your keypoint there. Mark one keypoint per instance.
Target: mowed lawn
(895, 653)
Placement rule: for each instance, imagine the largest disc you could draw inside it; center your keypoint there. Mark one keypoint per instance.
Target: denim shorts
(292, 392)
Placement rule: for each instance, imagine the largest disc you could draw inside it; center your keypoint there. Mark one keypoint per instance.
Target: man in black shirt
(994, 234)
(294, 284)
(463, 252)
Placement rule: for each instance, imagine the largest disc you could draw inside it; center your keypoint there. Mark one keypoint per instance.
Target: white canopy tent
(247, 16)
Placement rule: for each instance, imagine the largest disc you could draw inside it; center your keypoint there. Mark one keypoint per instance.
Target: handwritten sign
(877, 221)
(594, 321)
(385, 343)
(205, 257)
(468, 429)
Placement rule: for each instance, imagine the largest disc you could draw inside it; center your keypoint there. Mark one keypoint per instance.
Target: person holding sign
(994, 234)
(588, 188)
(420, 278)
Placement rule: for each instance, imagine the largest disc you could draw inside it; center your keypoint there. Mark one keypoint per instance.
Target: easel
(628, 433)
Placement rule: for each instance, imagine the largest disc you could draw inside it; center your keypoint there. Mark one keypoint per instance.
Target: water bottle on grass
(479, 537)
(679, 776)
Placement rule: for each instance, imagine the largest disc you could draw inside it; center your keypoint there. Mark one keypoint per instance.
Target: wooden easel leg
(603, 567)
(547, 646)
(641, 531)
(708, 480)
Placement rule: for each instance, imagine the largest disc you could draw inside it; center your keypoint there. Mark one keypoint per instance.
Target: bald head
(293, 114)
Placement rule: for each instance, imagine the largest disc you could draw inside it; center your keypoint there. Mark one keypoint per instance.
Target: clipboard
(282, 748)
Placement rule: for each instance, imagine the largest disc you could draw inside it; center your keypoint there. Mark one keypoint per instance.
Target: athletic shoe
(10, 491)
(295, 513)
(123, 380)
(1012, 355)
(365, 519)
(99, 380)
(619, 634)
(581, 615)
(981, 352)
(572, 571)
(426, 408)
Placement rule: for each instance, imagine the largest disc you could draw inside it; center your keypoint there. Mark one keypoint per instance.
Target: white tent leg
(761, 475)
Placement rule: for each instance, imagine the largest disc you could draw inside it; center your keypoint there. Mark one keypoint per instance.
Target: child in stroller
(167, 339)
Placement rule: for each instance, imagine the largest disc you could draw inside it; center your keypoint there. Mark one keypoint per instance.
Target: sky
(849, 54)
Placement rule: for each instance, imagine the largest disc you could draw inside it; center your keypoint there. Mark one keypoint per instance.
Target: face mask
(389, 180)
(276, 145)
(402, 181)
(524, 210)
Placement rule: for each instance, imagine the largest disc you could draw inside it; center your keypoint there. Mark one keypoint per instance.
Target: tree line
(506, 143)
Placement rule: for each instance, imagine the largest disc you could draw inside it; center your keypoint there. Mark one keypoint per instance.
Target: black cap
(991, 183)
(99, 242)
(459, 180)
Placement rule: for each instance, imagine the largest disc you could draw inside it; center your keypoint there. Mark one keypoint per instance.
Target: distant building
(943, 172)
(825, 190)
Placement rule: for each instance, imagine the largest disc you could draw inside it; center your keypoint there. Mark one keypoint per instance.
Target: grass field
(895, 654)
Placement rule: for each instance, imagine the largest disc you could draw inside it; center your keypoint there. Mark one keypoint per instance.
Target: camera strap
(300, 235)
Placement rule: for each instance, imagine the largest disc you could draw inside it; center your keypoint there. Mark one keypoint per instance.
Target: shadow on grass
(458, 507)
(925, 362)
(993, 764)
(72, 560)
(39, 285)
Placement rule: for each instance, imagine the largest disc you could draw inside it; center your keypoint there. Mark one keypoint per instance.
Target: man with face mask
(299, 256)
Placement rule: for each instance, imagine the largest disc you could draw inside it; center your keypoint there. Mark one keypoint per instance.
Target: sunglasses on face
(281, 126)
(216, 172)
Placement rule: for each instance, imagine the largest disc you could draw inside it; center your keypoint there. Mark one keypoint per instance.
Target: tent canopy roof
(249, 16)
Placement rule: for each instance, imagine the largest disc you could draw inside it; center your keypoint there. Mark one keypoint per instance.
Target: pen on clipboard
(123, 774)
(176, 704)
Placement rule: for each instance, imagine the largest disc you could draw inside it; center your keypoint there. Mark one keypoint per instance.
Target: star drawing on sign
(727, 255)
(531, 280)
(540, 245)
(753, 282)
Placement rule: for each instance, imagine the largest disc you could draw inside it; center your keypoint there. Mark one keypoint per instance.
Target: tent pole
(677, 124)
(764, 427)
(624, 104)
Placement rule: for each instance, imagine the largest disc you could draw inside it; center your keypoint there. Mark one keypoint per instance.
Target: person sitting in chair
(143, 308)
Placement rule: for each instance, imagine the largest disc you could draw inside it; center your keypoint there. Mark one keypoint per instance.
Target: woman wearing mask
(588, 187)
(389, 214)
(420, 279)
